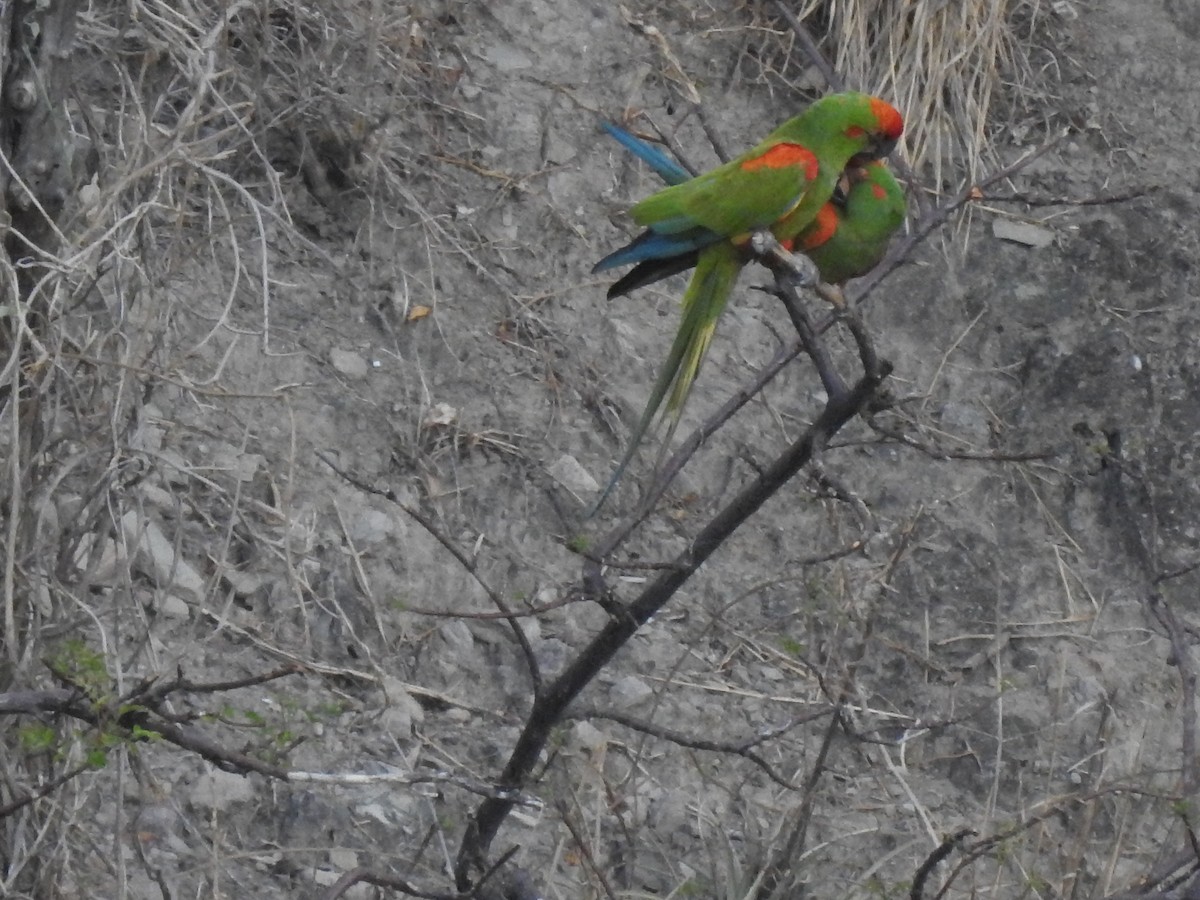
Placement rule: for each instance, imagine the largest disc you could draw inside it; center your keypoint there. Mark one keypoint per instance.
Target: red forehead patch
(783, 156)
(891, 123)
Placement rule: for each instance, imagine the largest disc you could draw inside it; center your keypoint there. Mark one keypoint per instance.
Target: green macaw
(781, 184)
(848, 237)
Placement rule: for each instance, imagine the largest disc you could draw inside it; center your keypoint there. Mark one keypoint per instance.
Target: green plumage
(747, 193)
(784, 180)
(717, 269)
(873, 211)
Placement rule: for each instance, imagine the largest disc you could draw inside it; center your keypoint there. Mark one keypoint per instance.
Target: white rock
(629, 691)
(152, 550)
(370, 526)
(349, 363)
(440, 414)
(507, 58)
(325, 876)
(218, 790)
(587, 736)
(174, 607)
(403, 710)
(567, 471)
(1022, 233)
(457, 634)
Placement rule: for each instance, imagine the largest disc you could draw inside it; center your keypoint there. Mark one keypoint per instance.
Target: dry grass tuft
(949, 66)
(194, 120)
(944, 63)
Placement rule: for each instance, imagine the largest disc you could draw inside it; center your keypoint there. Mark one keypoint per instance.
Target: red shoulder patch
(879, 192)
(784, 156)
(823, 227)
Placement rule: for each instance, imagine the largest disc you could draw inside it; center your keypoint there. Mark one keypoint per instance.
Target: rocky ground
(432, 330)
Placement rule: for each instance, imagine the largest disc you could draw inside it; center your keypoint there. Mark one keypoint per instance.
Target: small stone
(370, 527)
(629, 691)
(457, 634)
(567, 471)
(349, 363)
(1022, 233)
(325, 876)
(440, 414)
(218, 790)
(587, 736)
(173, 607)
(157, 554)
(507, 58)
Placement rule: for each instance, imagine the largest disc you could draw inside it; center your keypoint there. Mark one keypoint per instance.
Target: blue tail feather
(665, 240)
(651, 245)
(668, 170)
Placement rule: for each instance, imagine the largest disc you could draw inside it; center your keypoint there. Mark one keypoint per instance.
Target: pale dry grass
(949, 67)
(944, 63)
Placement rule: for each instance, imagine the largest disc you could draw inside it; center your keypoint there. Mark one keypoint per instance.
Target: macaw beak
(877, 149)
(885, 148)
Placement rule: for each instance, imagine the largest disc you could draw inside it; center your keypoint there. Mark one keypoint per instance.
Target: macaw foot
(833, 295)
(800, 269)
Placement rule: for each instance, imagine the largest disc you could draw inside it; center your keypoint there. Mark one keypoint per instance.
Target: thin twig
(735, 748)
(943, 850)
(531, 663)
(585, 851)
(549, 707)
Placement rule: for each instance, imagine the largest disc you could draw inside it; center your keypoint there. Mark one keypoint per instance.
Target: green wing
(789, 176)
(753, 191)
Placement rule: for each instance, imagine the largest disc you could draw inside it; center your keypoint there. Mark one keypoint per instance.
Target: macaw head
(866, 126)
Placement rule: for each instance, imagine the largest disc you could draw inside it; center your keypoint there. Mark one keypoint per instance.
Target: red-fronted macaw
(848, 237)
(781, 184)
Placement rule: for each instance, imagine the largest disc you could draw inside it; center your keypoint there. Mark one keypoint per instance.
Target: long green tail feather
(705, 299)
